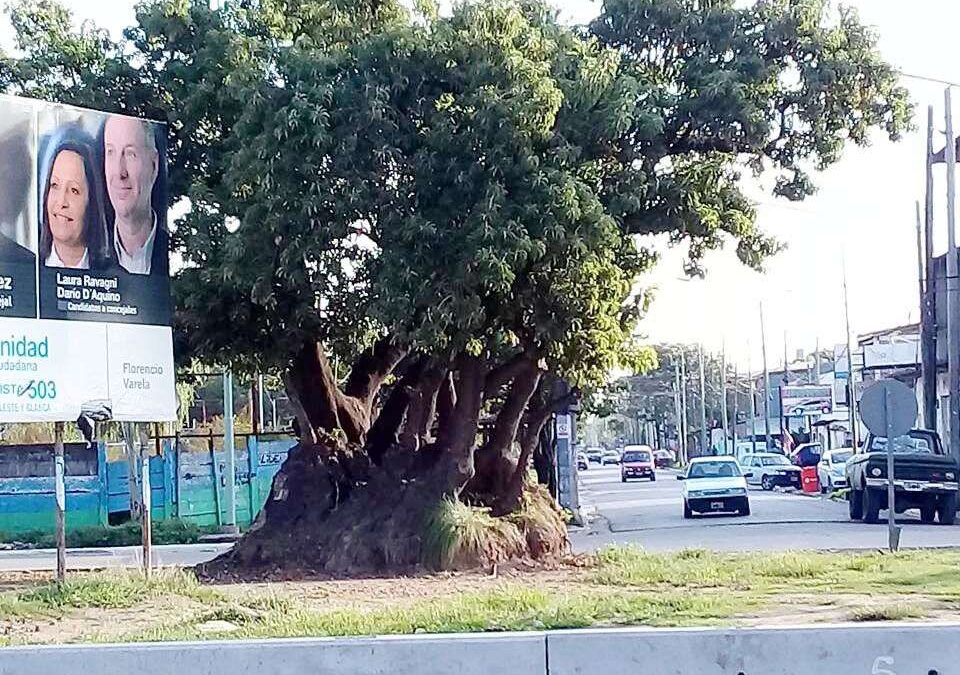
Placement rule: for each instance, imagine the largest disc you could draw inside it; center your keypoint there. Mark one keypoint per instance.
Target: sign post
(147, 515)
(61, 498)
(889, 409)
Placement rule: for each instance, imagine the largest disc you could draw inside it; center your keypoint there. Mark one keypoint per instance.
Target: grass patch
(509, 608)
(129, 534)
(116, 591)
(458, 535)
(932, 572)
(896, 612)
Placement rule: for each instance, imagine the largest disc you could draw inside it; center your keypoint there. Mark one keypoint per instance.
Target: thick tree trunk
(421, 411)
(495, 464)
(351, 500)
(459, 436)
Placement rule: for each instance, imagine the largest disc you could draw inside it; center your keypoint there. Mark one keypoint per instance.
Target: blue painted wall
(186, 481)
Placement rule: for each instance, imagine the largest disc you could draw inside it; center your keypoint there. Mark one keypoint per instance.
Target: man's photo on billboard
(73, 230)
(16, 169)
(133, 168)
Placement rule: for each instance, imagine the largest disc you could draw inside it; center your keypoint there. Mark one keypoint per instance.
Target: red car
(637, 462)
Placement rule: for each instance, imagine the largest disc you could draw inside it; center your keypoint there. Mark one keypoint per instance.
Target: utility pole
(929, 313)
(736, 406)
(683, 409)
(784, 422)
(723, 398)
(678, 415)
(230, 449)
(851, 385)
(953, 287)
(753, 397)
(925, 421)
(766, 382)
(703, 406)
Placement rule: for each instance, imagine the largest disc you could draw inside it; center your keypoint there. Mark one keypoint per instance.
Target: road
(100, 558)
(650, 515)
(642, 513)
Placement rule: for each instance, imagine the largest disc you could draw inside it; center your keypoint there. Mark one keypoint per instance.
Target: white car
(831, 471)
(770, 470)
(714, 485)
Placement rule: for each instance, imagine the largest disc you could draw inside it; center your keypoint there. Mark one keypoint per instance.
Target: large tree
(454, 205)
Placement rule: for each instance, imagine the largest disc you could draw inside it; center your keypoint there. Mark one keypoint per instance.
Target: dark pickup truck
(924, 477)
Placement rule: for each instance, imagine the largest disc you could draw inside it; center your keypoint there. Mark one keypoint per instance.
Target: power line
(926, 78)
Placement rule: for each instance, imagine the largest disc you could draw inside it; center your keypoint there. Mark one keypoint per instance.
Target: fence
(186, 478)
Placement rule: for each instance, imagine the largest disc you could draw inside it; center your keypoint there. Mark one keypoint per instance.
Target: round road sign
(888, 407)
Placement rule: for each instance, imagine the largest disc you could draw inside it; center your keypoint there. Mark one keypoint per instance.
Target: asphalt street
(650, 515)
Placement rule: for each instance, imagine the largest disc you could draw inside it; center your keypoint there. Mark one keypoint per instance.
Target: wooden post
(147, 515)
(61, 498)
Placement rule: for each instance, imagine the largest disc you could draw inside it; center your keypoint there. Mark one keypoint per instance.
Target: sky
(864, 213)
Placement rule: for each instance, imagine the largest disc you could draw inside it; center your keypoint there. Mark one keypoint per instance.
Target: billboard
(806, 400)
(85, 311)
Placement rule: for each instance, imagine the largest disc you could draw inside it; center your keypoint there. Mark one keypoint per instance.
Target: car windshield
(910, 445)
(714, 470)
(636, 456)
(840, 457)
(775, 460)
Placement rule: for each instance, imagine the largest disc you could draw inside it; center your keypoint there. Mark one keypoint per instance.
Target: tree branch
(372, 368)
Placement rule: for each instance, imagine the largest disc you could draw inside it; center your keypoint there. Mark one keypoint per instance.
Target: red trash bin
(810, 479)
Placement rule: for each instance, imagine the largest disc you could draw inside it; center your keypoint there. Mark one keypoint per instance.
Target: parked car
(610, 457)
(662, 458)
(924, 476)
(745, 448)
(637, 462)
(771, 470)
(714, 485)
(831, 471)
(595, 455)
(583, 464)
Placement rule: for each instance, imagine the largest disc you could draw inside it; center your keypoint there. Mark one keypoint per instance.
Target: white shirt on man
(139, 262)
(53, 260)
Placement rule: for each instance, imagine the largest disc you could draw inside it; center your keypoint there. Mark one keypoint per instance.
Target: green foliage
(471, 182)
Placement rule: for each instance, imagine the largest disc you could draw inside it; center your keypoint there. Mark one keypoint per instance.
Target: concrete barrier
(887, 649)
(480, 654)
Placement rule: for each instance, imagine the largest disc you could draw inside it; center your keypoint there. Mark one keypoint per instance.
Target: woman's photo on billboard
(73, 231)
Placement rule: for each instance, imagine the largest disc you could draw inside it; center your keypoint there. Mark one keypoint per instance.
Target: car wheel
(766, 483)
(871, 506)
(947, 508)
(687, 512)
(855, 502)
(928, 512)
(826, 486)
(744, 510)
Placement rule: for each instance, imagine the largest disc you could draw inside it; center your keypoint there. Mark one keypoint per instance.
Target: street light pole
(703, 405)
(766, 382)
